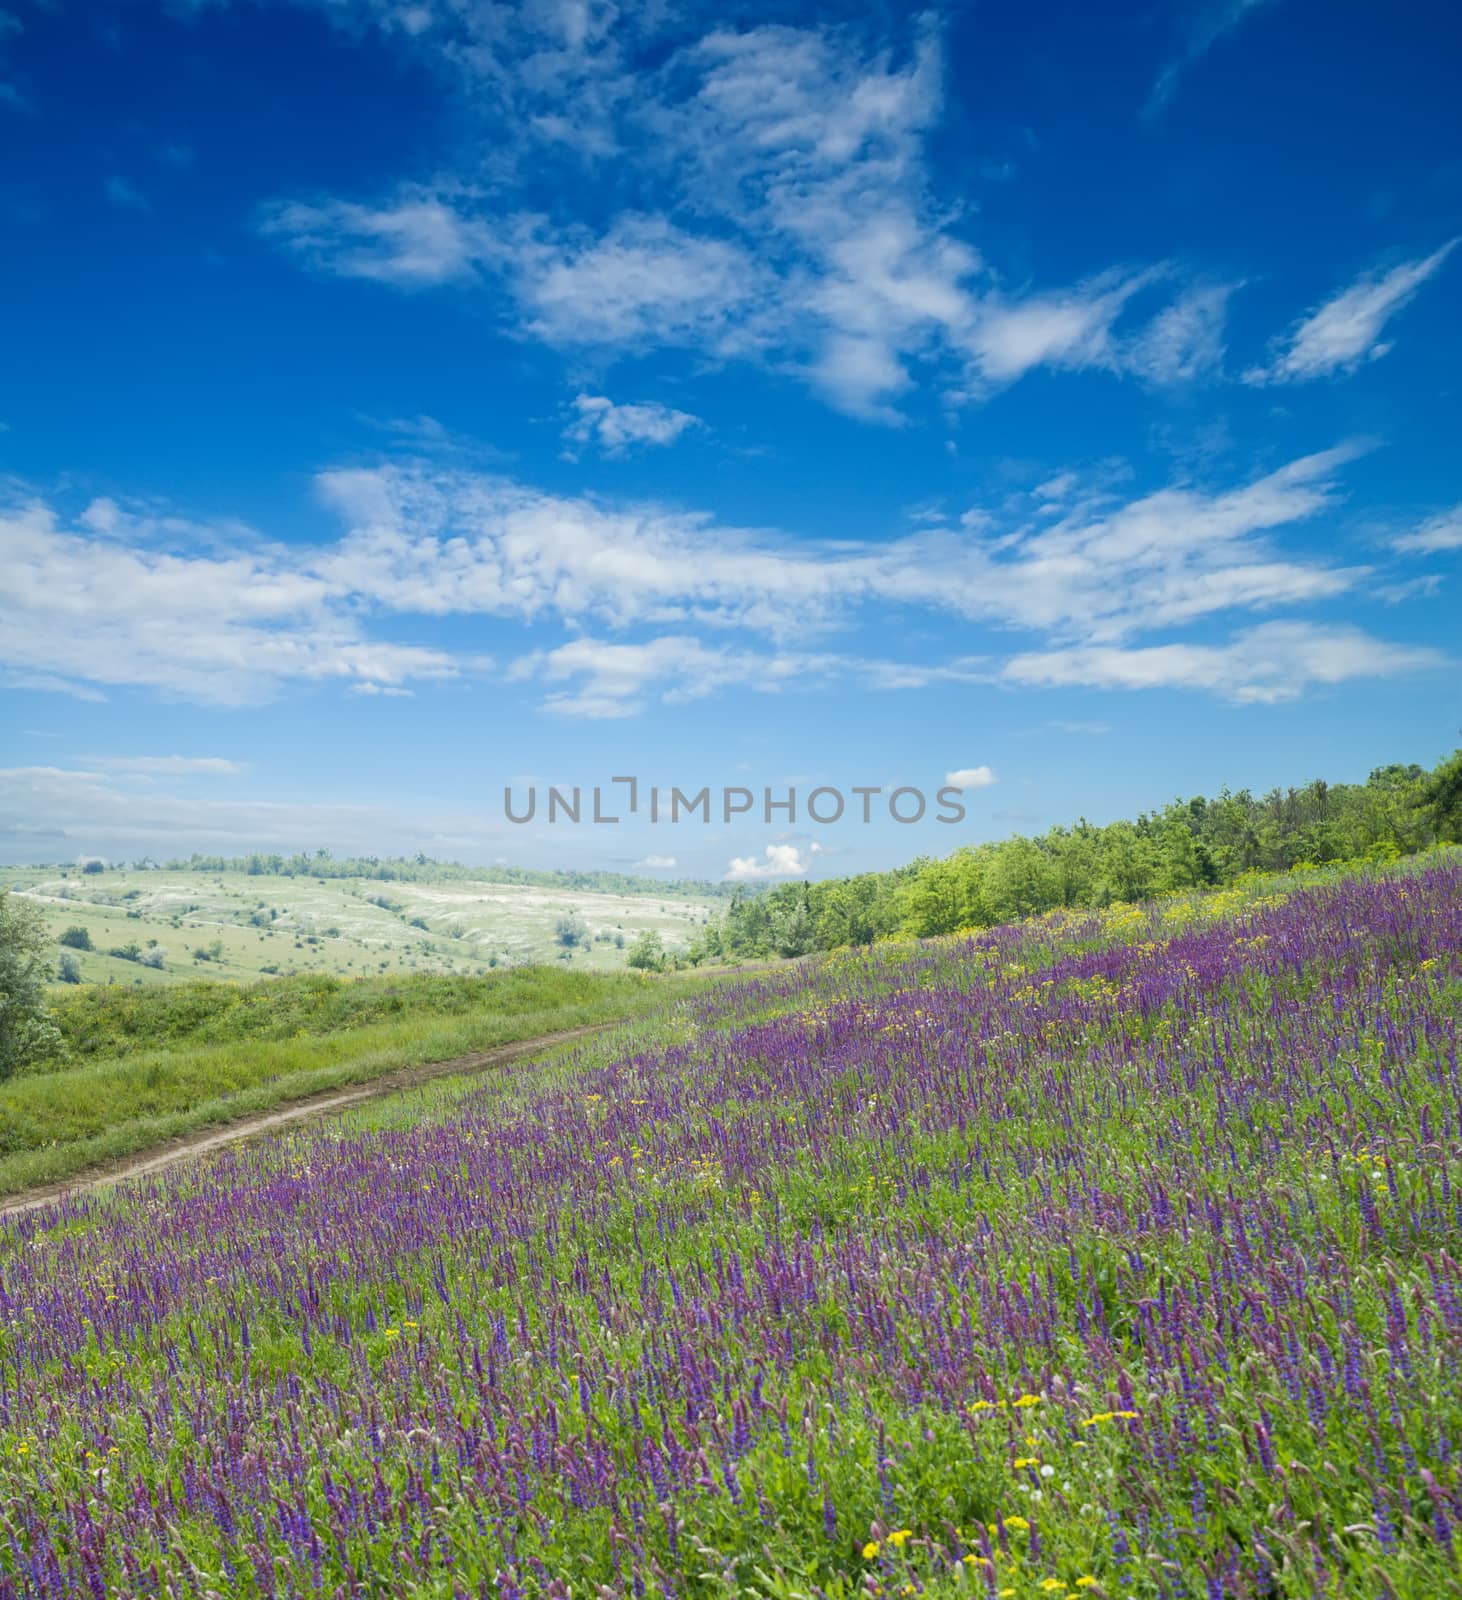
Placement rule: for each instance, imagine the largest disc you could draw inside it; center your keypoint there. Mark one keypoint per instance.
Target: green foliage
(76, 938)
(152, 1063)
(68, 969)
(571, 932)
(27, 1033)
(1190, 844)
(120, 1020)
(647, 954)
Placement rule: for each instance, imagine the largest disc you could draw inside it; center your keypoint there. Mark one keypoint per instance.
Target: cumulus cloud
(656, 863)
(971, 778)
(776, 861)
(619, 428)
(1346, 331)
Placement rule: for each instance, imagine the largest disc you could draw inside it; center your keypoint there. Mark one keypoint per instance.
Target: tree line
(1188, 844)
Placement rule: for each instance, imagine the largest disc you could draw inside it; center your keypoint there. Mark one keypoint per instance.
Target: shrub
(76, 938)
(27, 1033)
(154, 958)
(647, 954)
(69, 968)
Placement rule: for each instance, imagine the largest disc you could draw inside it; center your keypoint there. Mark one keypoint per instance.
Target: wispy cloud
(777, 205)
(1274, 662)
(616, 429)
(103, 604)
(1346, 331)
(600, 679)
(126, 196)
(1437, 534)
(169, 766)
(1212, 22)
(121, 596)
(414, 241)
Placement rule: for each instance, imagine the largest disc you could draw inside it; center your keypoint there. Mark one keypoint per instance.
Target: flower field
(1096, 1255)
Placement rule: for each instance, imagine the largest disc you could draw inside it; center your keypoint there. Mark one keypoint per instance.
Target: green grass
(150, 1065)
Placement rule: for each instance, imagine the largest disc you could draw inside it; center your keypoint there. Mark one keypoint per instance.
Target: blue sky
(404, 399)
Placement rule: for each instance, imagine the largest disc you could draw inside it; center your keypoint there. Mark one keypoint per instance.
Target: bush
(69, 969)
(126, 952)
(76, 938)
(27, 1033)
(570, 931)
(647, 954)
(154, 958)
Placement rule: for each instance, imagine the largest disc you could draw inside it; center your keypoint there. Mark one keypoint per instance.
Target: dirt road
(315, 1105)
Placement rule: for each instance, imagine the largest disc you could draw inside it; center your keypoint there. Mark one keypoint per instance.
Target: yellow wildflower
(899, 1537)
(1029, 1400)
(1018, 1523)
(870, 1550)
(1086, 1581)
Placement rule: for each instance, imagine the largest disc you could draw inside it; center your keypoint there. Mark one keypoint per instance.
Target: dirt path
(315, 1105)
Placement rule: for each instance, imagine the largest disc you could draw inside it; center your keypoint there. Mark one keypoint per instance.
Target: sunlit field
(233, 925)
(1110, 1254)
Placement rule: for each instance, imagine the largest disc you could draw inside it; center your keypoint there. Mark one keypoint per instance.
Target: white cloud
(1068, 329)
(776, 861)
(1184, 341)
(235, 626)
(1345, 332)
(971, 778)
(618, 428)
(655, 863)
(442, 542)
(415, 241)
(606, 680)
(642, 284)
(1274, 662)
(175, 766)
(1435, 535)
(775, 203)
(214, 612)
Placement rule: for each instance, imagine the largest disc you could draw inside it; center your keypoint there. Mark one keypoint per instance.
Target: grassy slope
(232, 1052)
(337, 925)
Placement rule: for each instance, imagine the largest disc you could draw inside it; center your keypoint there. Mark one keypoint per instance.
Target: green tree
(27, 1034)
(1441, 795)
(76, 938)
(647, 954)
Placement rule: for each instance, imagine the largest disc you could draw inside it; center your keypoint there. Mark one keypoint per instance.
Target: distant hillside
(424, 869)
